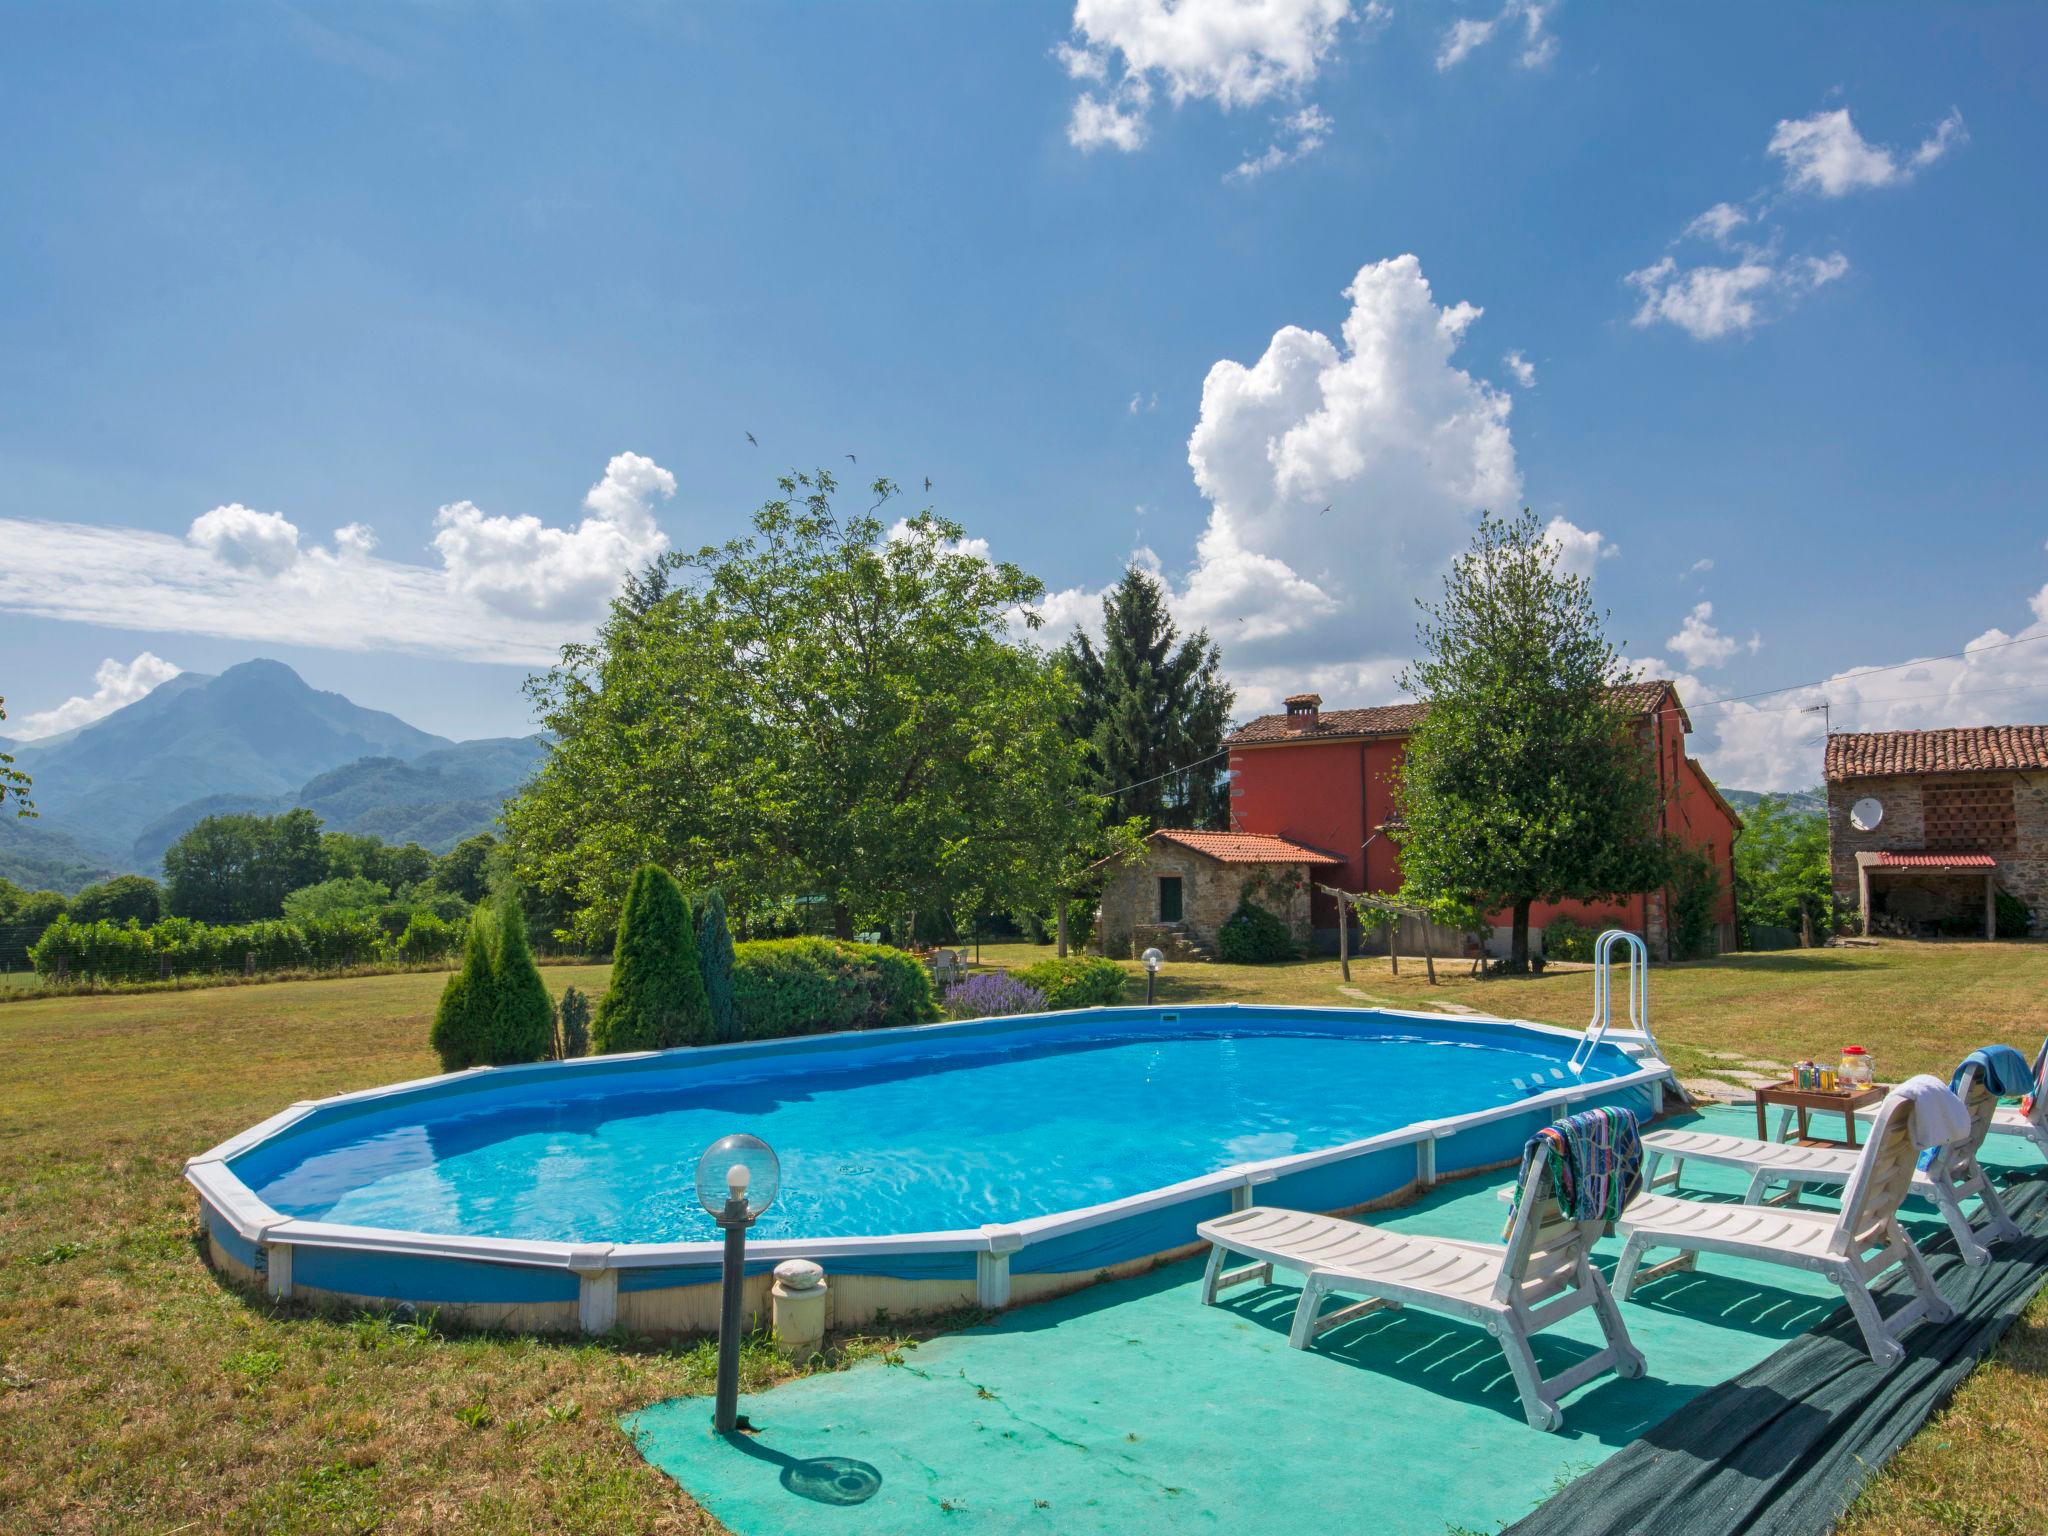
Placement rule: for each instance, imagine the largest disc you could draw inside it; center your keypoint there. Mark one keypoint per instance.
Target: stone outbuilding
(1926, 827)
(1186, 885)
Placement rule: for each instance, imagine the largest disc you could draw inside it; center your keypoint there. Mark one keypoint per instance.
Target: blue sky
(272, 272)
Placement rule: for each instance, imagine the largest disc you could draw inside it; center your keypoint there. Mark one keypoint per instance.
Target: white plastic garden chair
(2031, 1122)
(1954, 1175)
(1851, 1247)
(2010, 1119)
(1542, 1275)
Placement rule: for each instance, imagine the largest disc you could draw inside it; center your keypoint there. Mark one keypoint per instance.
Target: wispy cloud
(508, 589)
(1296, 136)
(1467, 35)
(1822, 154)
(1825, 154)
(1523, 370)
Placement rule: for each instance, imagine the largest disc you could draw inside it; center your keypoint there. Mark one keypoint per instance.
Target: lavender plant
(992, 994)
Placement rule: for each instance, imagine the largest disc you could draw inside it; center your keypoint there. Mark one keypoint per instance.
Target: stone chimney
(1304, 710)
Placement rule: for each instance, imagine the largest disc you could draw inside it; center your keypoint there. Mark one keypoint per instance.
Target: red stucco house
(1328, 779)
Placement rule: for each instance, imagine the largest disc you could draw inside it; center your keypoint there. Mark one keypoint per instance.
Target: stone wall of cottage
(2022, 867)
(1210, 890)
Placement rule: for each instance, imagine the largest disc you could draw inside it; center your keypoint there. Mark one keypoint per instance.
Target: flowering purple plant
(991, 994)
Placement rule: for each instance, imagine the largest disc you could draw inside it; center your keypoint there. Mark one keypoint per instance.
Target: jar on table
(1856, 1070)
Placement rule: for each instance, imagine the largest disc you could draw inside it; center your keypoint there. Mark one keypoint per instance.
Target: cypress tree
(656, 997)
(522, 1016)
(714, 958)
(467, 1015)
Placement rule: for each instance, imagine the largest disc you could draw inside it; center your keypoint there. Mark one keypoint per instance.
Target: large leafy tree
(118, 900)
(833, 706)
(1782, 876)
(1149, 704)
(1527, 779)
(237, 869)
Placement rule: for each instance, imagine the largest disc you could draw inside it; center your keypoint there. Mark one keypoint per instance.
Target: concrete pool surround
(666, 1288)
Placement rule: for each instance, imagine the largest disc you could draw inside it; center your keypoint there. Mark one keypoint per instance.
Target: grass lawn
(137, 1393)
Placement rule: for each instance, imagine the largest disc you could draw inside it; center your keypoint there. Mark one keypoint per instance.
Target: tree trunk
(1062, 927)
(1805, 925)
(1518, 951)
(842, 922)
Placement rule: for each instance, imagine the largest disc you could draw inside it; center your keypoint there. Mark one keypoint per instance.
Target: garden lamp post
(1153, 960)
(737, 1179)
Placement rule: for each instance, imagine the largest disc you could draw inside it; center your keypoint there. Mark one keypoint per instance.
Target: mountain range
(113, 795)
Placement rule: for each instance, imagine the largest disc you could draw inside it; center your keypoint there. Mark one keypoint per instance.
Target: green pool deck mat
(1130, 1407)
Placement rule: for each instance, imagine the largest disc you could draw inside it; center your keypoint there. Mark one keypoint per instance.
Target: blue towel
(1596, 1162)
(2000, 1068)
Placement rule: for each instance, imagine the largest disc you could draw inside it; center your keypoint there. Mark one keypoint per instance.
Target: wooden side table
(1792, 1100)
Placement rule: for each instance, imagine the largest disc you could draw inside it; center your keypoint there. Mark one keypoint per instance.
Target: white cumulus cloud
(1825, 154)
(1579, 550)
(1523, 370)
(116, 683)
(1701, 645)
(246, 539)
(520, 566)
(1342, 474)
(354, 539)
(1235, 53)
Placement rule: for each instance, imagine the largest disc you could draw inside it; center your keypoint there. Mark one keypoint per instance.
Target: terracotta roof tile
(1890, 859)
(1400, 719)
(1247, 847)
(1960, 749)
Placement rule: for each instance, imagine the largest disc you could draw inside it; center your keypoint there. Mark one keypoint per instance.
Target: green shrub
(427, 936)
(814, 986)
(656, 997)
(1253, 936)
(1569, 940)
(1695, 882)
(572, 1029)
(714, 959)
(1076, 982)
(522, 1017)
(2015, 917)
(469, 1003)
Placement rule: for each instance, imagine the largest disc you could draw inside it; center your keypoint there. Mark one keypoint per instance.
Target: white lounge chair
(2009, 1119)
(1954, 1175)
(1541, 1276)
(1851, 1247)
(2031, 1122)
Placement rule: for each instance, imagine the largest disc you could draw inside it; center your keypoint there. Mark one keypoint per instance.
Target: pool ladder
(1603, 995)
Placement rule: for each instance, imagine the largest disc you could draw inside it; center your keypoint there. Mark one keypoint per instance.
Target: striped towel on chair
(1596, 1162)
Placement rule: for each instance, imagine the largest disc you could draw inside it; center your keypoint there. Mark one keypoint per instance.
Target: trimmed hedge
(1076, 982)
(182, 946)
(1252, 936)
(815, 986)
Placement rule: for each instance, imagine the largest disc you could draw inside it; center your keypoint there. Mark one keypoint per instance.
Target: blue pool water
(953, 1132)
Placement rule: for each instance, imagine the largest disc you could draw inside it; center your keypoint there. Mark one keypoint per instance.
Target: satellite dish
(1866, 813)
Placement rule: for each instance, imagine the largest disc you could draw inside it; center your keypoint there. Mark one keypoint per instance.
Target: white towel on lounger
(1938, 1115)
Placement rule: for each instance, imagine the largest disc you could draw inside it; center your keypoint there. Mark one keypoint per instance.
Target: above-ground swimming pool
(926, 1167)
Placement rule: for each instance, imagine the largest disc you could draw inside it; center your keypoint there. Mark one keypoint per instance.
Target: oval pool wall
(662, 1288)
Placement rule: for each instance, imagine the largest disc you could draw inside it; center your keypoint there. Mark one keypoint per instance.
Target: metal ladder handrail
(1603, 995)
